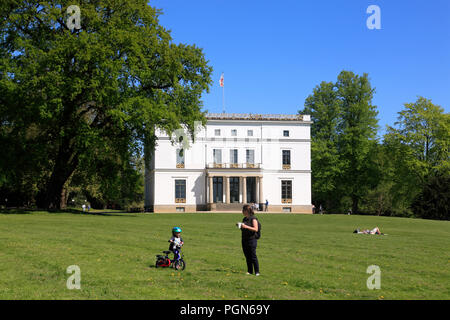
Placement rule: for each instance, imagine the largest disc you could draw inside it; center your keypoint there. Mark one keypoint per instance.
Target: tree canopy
(343, 136)
(405, 174)
(73, 99)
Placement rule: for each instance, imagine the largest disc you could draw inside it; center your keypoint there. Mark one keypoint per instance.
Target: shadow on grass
(16, 211)
(72, 211)
(94, 213)
(171, 269)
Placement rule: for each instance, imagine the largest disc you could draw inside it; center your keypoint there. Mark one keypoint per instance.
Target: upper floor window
(286, 159)
(234, 156)
(250, 157)
(217, 155)
(285, 133)
(217, 132)
(180, 158)
(234, 133)
(250, 133)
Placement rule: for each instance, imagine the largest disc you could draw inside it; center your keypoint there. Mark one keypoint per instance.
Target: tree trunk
(355, 202)
(63, 202)
(53, 196)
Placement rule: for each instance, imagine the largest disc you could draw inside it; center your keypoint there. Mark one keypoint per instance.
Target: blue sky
(273, 53)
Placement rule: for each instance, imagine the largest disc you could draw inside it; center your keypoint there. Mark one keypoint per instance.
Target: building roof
(254, 116)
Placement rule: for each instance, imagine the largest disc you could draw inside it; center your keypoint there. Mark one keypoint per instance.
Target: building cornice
(258, 117)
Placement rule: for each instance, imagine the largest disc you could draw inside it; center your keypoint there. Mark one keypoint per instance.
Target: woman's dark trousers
(249, 248)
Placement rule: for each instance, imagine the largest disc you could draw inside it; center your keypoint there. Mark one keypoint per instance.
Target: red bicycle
(163, 261)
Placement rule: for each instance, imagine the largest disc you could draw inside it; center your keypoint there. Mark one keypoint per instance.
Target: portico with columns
(252, 192)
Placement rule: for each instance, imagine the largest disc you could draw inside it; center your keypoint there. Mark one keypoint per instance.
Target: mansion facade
(234, 160)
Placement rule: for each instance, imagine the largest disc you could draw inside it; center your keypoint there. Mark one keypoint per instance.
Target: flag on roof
(222, 80)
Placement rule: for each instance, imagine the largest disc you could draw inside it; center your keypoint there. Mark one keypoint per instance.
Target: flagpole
(223, 92)
(223, 99)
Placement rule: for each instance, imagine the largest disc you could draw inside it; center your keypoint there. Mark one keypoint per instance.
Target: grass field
(301, 257)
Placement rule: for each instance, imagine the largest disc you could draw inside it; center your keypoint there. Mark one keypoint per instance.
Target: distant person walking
(249, 227)
(83, 207)
(320, 209)
(266, 209)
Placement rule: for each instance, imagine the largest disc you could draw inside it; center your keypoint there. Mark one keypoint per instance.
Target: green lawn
(301, 257)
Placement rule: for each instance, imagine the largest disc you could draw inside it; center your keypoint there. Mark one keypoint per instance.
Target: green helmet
(176, 229)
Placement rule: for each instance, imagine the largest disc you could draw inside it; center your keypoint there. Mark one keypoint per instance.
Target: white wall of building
(267, 142)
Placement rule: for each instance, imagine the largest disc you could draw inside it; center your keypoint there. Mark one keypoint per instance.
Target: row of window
(180, 189)
(218, 133)
(234, 159)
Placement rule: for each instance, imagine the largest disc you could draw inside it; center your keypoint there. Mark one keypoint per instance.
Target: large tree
(105, 86)
(418, 148)
(357, 136)
(324, 107)
(343, 141)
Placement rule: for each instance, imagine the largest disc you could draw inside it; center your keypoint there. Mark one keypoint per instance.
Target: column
(244, 190)
(261, 193)
(227, 190)
(257, 190)
(210, 189)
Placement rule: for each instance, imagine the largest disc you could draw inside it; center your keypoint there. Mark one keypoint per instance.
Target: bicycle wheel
(179, 265)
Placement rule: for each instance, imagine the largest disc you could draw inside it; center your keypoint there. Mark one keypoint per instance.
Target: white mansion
(235, 159)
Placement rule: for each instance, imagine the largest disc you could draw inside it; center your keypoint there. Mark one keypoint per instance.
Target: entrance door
(217, 189)
(234, 190)
(251, 189)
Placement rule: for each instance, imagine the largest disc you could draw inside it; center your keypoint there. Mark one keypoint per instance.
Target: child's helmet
(176, 229)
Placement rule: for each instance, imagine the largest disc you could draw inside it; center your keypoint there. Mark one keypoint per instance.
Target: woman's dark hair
(249, 209)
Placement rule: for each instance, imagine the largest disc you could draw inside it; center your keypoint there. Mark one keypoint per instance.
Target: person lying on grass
(375, 230)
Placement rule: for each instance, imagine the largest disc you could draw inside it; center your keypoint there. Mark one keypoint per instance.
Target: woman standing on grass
(249, 227)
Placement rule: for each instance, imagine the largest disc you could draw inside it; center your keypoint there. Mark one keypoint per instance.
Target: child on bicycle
(176, 242)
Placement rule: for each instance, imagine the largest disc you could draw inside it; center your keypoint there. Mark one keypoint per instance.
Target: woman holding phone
(249, 227)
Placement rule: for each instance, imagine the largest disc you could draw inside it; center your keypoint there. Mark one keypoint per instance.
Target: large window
(285, 133)
(286, 191)
(250, 133)
(180, 158)
(286, 159)
(217, 132)
(233, 157)
(250, 157)
(180, 191)
(233, 132)
(217, 155)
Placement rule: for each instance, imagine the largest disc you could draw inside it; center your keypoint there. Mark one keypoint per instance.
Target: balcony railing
(286, 201)
(234, 166)
(286, 166)
(180, 200)
(180, 165)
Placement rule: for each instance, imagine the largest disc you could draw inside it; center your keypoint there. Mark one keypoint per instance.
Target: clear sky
(273, 53)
